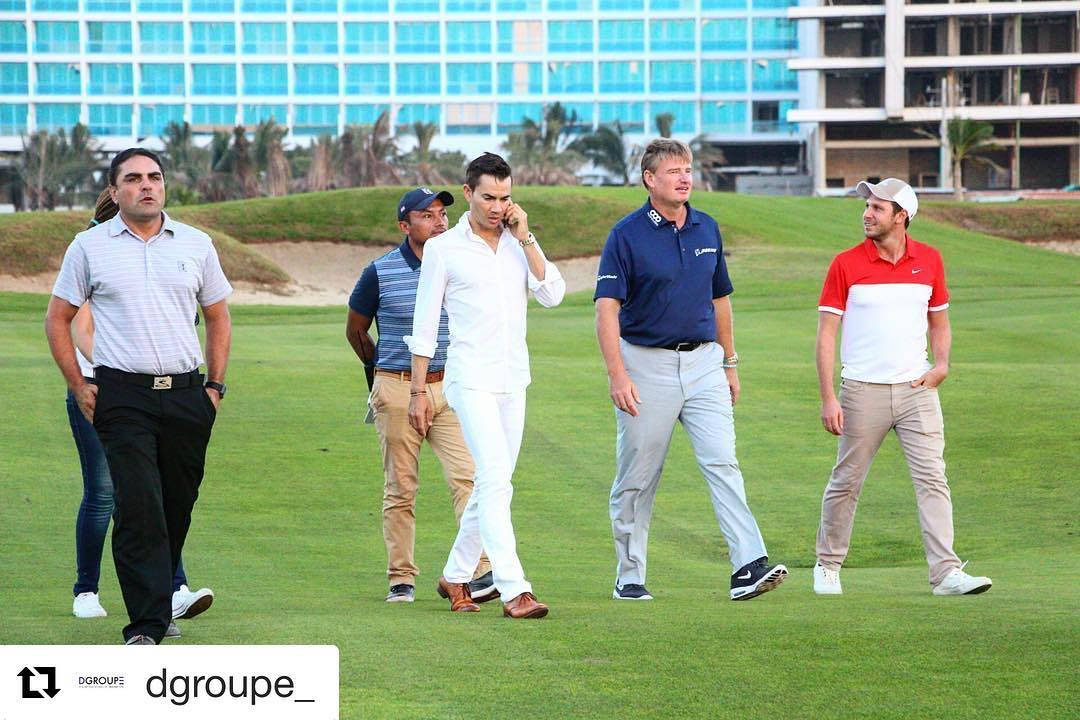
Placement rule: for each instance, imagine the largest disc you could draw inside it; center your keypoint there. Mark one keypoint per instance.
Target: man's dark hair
(487, 164)
(896, 208)
(125, 155)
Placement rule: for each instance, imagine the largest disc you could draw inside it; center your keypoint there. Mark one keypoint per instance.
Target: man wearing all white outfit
(482, 270)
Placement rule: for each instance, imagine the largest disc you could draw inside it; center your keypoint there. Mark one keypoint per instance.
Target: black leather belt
(154, 382)
(685, 346)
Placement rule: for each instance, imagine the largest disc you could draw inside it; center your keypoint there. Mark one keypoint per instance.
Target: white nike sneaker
(87, 605)
(826, 581)
(959, 582)
(186, 603)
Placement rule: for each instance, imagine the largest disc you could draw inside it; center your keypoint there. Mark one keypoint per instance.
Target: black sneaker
(483, 588)
(755, 578)
(631, 591)
(401, 593)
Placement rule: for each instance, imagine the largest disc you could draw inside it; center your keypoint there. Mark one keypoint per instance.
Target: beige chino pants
(870, 411)
(401, 454)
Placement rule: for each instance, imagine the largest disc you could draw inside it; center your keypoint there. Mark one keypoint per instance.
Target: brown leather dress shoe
(458, 595)
(525, 605)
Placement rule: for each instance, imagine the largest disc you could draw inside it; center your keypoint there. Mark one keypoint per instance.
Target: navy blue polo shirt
(666, 277)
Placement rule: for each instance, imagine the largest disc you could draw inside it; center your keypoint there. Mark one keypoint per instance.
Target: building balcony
(990, 8)
(836, 63)
(983, 61)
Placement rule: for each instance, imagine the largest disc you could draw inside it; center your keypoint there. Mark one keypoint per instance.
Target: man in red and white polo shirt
(887, 292)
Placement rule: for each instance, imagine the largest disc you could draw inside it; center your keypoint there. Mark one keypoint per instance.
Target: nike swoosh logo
(916, 271)
(743, 577)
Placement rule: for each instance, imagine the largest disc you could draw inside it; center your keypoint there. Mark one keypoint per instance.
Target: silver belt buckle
(163, 383)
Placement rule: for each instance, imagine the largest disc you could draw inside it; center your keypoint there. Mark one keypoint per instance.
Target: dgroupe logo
(100, 681)
(43, 676)
(181, 689)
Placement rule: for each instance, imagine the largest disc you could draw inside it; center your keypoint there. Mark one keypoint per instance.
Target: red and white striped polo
(884, 309)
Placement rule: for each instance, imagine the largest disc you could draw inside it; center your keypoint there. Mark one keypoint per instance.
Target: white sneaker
(87, 605)
(186, 603)
(959, 582)
(826, 581)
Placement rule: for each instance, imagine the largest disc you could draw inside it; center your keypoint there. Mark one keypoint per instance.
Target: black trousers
(155, 443)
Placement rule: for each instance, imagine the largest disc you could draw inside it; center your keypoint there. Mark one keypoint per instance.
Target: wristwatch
(220, 387)
(731, 362)
(530, 241)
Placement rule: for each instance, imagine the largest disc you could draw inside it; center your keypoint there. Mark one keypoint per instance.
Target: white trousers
(691, 388)
(492, 424)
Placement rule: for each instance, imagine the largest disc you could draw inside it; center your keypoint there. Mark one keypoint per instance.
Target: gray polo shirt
(143, 295)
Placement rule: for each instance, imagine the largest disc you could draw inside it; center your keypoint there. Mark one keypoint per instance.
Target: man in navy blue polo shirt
(663, 319)
(386, 293)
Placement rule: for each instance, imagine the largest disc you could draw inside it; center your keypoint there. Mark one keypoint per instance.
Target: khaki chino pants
(870, 411)
(400, 446)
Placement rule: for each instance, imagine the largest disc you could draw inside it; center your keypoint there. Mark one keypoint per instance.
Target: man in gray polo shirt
(143, 274)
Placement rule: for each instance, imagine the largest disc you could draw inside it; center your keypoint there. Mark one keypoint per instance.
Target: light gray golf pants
(690, 387)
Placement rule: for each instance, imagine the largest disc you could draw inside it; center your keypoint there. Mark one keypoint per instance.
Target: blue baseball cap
(419, 199)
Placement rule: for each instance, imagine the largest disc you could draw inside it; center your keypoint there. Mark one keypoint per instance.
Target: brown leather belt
(406, 375)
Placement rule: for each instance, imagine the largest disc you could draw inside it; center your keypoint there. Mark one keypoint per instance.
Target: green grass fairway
(288, 529)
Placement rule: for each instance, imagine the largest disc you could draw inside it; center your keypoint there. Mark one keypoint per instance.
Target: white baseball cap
(893, 190)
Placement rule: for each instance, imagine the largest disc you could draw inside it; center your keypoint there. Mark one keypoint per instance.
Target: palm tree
(320, 175)
(420, 161)
(186, 163)
(541, 155)
(967, 140)
(664, 123)
(55, 169)
(269, 152)
(607, 149)
(369, 153)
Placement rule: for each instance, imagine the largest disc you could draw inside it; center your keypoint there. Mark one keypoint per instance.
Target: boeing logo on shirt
(655, 217)
(701, 251)
(606, 277)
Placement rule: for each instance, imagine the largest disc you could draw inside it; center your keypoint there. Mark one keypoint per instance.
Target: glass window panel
(213, 79)
(316, 120)
(56, 116)
(367, 38)
(161, 38)
(14, 79)
(59, 79)
(521, 78)
(570, 77)
(673, 4)
(315, 38)
(622, 35)
(417, 112)
(266, 79)
(775, 34)
(521, 36)
(57, 5)
(108, 5)
(174, 6)
(622, 77)
(579, 117)
(56, 37)
(13, 36)
(773, 75)
(13, 5)
(316, 79)
(517, 5)
(110, 79)
(263, 6)
(723, 75)
(211, 6)
(631, 115)
(367, 6)
(161, 79)
(371, 79)
(724, 117)
(770, 4)
(569, 5)
(671, 35)
(206, 118)
(723, 4)
(153, 119)
(110, 119)
(468, 37)
(255, 114)
(264, 39)
(672, 76)
(468, 78)
(417, 37)
(315, 6)
(209, 38)
(108, 37)
(365, 114)
(683, 112)
(726, 34)
(416, 6)
(468, 5)
(570, 36)
(621, 4)
(418, 79)
(468, 119)
(512, 116)
(13, 119)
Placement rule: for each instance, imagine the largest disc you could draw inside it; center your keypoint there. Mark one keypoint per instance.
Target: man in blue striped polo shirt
(386, 293)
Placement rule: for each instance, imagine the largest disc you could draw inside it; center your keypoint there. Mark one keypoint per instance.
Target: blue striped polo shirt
(386, 291)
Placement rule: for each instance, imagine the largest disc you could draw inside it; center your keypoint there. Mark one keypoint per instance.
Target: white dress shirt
(485, 294)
